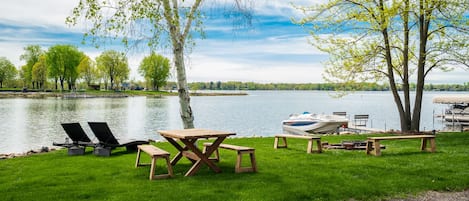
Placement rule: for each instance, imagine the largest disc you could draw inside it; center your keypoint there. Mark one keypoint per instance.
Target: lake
(32, 123)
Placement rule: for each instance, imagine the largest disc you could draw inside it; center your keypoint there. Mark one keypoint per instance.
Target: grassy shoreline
(284, 174)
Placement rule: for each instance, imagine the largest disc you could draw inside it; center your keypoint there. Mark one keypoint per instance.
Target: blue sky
(272, 50)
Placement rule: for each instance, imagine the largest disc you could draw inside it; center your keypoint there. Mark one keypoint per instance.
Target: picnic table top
(194, 133)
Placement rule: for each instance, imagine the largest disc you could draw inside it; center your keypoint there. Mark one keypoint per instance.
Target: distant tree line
(234, 85)
(64, 67)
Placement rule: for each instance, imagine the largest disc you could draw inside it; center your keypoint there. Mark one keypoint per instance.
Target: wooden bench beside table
(240, 151)
(309, 138)
(154, 153)
(373, 143)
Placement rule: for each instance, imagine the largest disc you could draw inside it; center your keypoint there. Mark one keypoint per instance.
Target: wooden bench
(240, 151)
(309, 138)
(154, 153)
(373, 143)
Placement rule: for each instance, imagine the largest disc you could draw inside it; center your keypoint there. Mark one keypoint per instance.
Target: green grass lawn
(283, 174)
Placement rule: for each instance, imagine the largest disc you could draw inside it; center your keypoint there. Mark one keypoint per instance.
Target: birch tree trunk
(179, 33)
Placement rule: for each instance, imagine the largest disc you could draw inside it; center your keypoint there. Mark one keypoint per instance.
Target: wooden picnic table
(189, 149)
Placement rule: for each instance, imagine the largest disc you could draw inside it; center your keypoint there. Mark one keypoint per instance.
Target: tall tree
(62, 62)
(7, 70)
(154, 21)
(176, 18)
(87, 69)
(39, 72)
(31, 56)
(390, 40)
(155, 70)
(114, 66)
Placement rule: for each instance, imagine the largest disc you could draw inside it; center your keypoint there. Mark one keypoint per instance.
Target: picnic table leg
(217, 154)
(178, 147)
(203, 157)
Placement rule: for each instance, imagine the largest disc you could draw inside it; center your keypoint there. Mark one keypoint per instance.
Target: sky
(272, 50)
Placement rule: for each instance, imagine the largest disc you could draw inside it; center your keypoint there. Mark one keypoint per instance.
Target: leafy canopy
(155, 68)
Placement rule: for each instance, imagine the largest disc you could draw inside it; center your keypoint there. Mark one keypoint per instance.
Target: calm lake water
(32, 123)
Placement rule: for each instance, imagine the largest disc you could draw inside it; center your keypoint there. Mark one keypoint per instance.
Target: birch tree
(398, 41)
(120, 19)
(151, 21)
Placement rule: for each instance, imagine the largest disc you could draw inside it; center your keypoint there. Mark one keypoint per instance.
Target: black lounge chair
(78, 137)
(107, 141)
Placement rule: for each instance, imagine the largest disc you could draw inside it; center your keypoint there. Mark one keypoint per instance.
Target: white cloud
(277, 59)
(215, 69)
(278, 54)
(37, 13)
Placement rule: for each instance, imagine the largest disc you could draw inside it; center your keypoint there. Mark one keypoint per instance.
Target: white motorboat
(313, 123)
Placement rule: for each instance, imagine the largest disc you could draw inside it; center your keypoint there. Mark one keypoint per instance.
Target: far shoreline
(107, 94)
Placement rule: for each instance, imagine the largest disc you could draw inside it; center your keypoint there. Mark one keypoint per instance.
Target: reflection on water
(31, 123)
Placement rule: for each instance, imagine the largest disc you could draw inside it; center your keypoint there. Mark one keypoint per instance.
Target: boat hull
(314, 124)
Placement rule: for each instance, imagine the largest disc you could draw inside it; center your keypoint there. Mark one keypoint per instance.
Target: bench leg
(424, 144)
(369, 147)
(253, 161)
(239, 168)
(152, 168)
(373, 147)
(217, 154)
(433, 144)
(277, 141)
(137, 161)
(170, 167)
(377, 147)
(310, 146)
(238, 162)
(319, 144)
